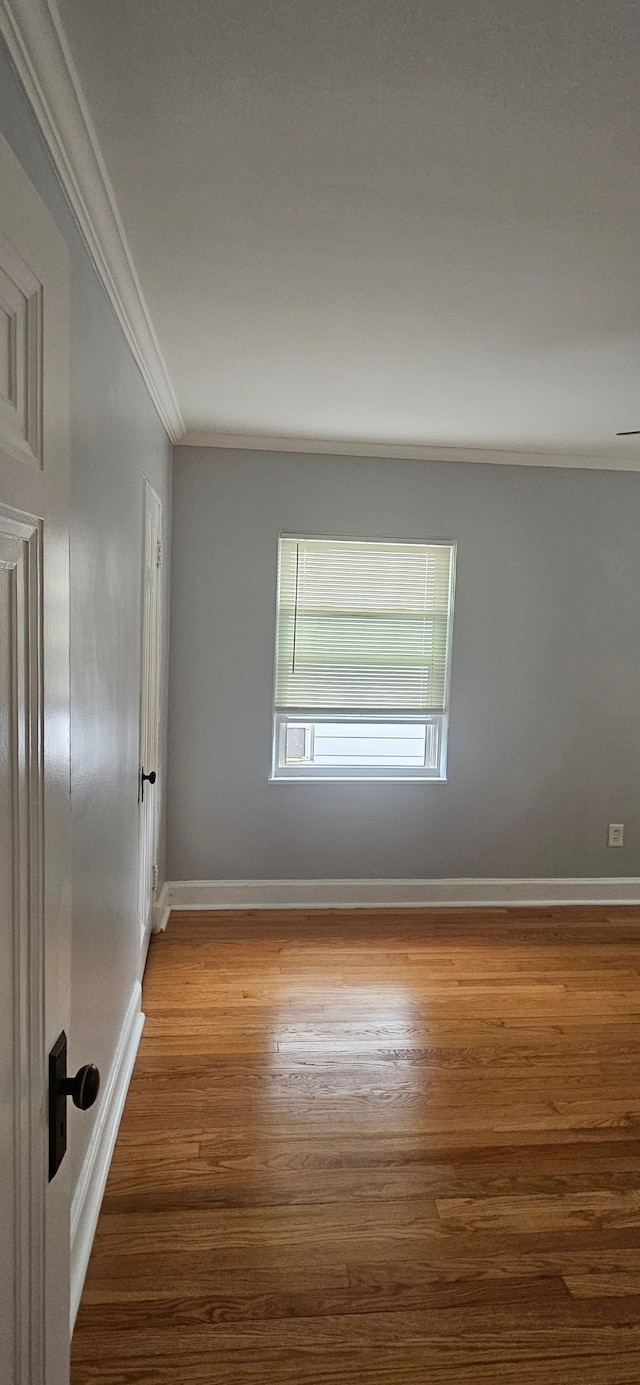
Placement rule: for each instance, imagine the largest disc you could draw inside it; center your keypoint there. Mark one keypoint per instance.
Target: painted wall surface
(544, 740)
(116, 437)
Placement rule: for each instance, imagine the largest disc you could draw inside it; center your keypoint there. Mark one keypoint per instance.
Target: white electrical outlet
(616, 834)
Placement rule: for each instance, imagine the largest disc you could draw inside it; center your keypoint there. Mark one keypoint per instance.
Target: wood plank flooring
(377, 1149)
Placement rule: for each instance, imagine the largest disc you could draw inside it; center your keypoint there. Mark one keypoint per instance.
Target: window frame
(308, 772)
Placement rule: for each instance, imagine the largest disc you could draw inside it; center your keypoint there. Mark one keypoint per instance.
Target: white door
(148, 789)
(34, 775)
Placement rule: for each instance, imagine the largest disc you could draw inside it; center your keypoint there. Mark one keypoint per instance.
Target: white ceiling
(410, 222)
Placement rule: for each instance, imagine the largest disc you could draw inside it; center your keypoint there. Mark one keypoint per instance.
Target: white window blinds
(363, 626)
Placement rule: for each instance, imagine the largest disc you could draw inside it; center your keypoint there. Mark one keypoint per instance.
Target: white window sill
(356, 779)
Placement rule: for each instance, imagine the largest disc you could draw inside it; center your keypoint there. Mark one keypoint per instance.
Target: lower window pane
(381, 746)
(365, 745)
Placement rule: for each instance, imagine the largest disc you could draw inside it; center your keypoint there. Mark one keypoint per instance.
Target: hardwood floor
(377, 1149)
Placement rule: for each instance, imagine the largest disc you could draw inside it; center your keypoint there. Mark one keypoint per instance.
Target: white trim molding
(390, 894)
(89, 1192)
(625, 458)
(35, 38)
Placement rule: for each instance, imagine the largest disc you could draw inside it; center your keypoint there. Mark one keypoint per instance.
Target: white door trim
(24, 537)
(150, 703)
(34, 757)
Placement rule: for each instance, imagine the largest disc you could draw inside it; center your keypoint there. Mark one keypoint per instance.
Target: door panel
(34, 774)
(20, 356)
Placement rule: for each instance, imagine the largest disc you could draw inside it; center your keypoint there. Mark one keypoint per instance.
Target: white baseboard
(87, 1198)
(394, 894)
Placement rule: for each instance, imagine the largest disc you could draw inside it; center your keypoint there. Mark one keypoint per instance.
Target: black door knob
(146, 779)
(84, 1087)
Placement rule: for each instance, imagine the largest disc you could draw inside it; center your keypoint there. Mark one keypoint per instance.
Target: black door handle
(148, 778)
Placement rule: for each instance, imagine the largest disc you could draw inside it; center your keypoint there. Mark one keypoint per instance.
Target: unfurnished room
(319, 692)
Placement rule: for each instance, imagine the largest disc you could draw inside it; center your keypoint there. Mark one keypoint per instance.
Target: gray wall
(544, 742)
(116, 436)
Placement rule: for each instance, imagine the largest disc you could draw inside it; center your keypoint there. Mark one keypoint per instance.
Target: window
(362, 659)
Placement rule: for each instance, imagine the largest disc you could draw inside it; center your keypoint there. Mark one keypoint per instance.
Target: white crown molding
(33, 33)
(390, 894)
(622, 460)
